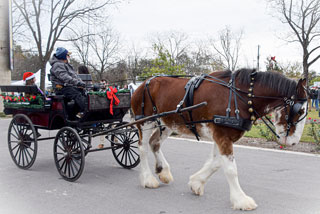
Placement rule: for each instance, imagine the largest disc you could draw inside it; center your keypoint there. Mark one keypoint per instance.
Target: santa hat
(28, 76)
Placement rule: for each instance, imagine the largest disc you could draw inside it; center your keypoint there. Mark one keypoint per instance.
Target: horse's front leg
(239, 199)
(146, 177)
(162, 166)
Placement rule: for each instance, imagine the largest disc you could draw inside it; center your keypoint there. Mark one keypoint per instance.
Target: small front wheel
(69, 155)
(124, 144)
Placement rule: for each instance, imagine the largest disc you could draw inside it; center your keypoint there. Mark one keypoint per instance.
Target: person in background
(66, 81)
(318, 98)
(103, 85)
(314, 97)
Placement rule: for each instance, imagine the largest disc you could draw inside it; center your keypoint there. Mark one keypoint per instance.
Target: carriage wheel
(124, 144)
(22, 141)
(68, 154)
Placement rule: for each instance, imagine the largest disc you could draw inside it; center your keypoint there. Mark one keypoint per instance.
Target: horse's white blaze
(146, 177)
(238, 198)
(282, 132)
(198, 180)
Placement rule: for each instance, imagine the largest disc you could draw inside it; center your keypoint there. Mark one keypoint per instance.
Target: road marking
(251, 147)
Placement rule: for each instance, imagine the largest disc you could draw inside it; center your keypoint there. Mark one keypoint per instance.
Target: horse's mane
(272, 80)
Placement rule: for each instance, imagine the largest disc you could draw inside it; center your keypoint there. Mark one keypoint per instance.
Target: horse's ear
(301, 87)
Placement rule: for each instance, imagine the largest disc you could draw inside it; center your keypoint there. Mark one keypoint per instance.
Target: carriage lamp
(250, 89)
(250, 102)
(250, 110)
(249, 95)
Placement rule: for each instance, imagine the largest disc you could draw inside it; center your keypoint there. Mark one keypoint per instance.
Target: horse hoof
(150, 182)
(196, 187)
(165, 176)
(244, 203)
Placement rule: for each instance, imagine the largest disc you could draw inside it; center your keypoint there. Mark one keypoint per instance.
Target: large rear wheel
(22, 141)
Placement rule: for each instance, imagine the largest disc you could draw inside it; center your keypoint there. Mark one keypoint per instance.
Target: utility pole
(6, 53)
(258, 56)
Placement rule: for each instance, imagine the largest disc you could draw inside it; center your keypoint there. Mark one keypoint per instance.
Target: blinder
(294, 110)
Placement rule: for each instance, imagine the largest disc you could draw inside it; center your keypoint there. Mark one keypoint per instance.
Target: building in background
(6, 53)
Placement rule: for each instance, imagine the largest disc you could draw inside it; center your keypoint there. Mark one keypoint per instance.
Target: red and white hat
(28, 76)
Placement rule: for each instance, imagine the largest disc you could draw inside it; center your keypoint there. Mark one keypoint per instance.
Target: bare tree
(174, 42)
(303, 18)
(56, 16)
(134, 57)
(228, 47)
(105, 47)
(81, 43)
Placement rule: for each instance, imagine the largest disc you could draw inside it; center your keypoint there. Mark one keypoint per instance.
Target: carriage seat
(31, 90)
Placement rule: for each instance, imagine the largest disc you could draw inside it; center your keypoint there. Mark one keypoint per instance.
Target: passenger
(66, 81)
(29, 78)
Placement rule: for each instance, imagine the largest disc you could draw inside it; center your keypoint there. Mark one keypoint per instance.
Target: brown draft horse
(270, 93)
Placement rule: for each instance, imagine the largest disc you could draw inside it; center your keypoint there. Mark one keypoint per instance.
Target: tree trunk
(43, 76)
(306, 70)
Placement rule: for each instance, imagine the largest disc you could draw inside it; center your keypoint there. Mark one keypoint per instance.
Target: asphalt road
(280, 183)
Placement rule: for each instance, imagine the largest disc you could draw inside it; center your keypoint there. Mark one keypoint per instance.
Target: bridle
(294, 105)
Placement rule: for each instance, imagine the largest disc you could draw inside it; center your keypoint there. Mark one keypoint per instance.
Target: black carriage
(33, 111)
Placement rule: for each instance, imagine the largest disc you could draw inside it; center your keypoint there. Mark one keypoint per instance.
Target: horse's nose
(293, 144)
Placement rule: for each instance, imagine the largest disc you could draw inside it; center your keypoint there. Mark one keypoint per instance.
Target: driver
(66, 81)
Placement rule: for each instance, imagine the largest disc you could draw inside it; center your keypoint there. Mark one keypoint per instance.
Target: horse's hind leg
(162, 166)
(146, 177)
(198, 180)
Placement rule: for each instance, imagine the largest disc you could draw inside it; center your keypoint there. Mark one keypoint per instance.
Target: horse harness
(234, 122)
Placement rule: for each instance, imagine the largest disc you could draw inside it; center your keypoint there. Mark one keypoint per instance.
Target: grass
(313, 114)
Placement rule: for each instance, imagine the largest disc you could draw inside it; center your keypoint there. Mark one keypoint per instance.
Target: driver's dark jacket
(63, 73)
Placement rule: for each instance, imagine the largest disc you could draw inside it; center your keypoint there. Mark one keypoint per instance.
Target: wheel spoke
(19, 156)
(120, 152)
(69, 173)
(14, 141)
(75, 166)
(71, 166)
(26, 156)
(136, 141)
(15, 156)
(60, 159)
(123, 154)
(134, 151)
(130, 152)
(22, 153)
(29, 147)
(29, 154)
(14, 147)
(61, 148)
(63, 163)
(14, 136)
(18, 134)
